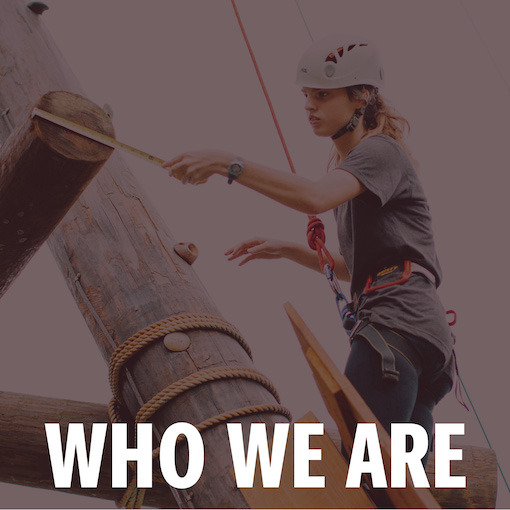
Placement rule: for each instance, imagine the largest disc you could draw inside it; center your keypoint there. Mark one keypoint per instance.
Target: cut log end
(81, 111)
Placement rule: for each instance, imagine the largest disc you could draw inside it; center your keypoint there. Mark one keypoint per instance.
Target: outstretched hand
(196, 167)
(258, 248)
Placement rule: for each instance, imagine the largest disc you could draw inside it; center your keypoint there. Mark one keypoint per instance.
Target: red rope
(315, 231)
(264, 89)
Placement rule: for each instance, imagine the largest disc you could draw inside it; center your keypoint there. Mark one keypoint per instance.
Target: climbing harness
(383, 345)
(408, 269)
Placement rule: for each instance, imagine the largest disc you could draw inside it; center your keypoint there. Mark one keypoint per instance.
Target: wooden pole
(117, 256)
(43, 170)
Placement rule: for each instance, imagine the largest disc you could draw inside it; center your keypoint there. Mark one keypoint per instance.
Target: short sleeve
(377, 162)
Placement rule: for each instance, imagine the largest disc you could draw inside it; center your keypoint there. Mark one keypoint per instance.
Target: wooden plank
(43, 170)
(332, 466)
(342, 400)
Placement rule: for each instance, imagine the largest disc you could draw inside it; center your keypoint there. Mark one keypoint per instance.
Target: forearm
(286, 188)
(296, 192)
(306, 257)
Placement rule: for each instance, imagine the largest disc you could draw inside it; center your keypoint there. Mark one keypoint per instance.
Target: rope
(133, 497)
(483, 430)
(319, 246)
(491, 56)
(180, 322)
(304, 20)
(193, 380)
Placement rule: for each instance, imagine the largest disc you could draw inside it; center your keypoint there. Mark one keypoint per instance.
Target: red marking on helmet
(331, 58)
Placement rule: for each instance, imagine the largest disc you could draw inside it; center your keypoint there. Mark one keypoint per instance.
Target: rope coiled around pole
(133, 497)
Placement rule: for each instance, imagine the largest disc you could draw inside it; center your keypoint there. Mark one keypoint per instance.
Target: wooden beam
(348, 408)
(117, 256)
(43, 170)
(24, 456)
(478, 465)
(24, 461)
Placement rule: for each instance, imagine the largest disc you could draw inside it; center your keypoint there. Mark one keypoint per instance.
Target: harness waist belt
(408, 268)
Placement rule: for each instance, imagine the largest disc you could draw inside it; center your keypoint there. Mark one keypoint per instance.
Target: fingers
(242, 248)
(179, 168)
(255, 256)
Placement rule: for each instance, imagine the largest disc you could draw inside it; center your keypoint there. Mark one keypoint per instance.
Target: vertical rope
(304, 20)
(483, 431)
(482, 40)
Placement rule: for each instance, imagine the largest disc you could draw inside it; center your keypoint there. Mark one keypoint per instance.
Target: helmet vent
(351, 46)
(331, 58)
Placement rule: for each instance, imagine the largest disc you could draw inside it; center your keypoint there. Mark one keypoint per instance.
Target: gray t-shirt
(385, 225)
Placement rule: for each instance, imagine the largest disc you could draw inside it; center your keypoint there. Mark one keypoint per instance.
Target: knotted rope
(133, 497)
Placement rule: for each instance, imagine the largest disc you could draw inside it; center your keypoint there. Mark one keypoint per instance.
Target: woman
(401, 355)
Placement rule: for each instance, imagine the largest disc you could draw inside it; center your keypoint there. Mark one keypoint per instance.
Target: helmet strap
(351, 125)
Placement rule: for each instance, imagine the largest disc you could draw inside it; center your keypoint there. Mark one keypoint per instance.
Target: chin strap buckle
(351, 125)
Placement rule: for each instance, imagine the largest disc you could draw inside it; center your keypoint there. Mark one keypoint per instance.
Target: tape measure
(94, 135)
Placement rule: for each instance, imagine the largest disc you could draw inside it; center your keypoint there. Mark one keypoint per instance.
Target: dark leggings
(408, 400)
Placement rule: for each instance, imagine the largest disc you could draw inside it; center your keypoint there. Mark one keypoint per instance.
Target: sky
(178, 77)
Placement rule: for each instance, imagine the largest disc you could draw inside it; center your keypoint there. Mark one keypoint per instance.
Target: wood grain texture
(43, 170)
(131, 275)
(480, 467)
(332, 466)
(342, 400)
(24, 458)
(478, 464)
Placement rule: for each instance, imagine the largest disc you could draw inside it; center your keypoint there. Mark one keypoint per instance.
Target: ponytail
(378, 117)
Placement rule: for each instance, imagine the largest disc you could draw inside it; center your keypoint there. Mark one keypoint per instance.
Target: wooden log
(24, 460)
(478, 465)
(24, 456)
(43, 170)
(131, 276)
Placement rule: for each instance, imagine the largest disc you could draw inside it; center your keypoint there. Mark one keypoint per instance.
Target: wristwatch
(235, 169)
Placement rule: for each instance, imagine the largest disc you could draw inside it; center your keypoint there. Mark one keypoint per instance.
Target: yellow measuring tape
(94, 135)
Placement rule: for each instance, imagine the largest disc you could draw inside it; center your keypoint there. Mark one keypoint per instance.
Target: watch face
(235, 168)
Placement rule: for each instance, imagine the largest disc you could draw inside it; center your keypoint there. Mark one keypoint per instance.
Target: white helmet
(339, 61)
